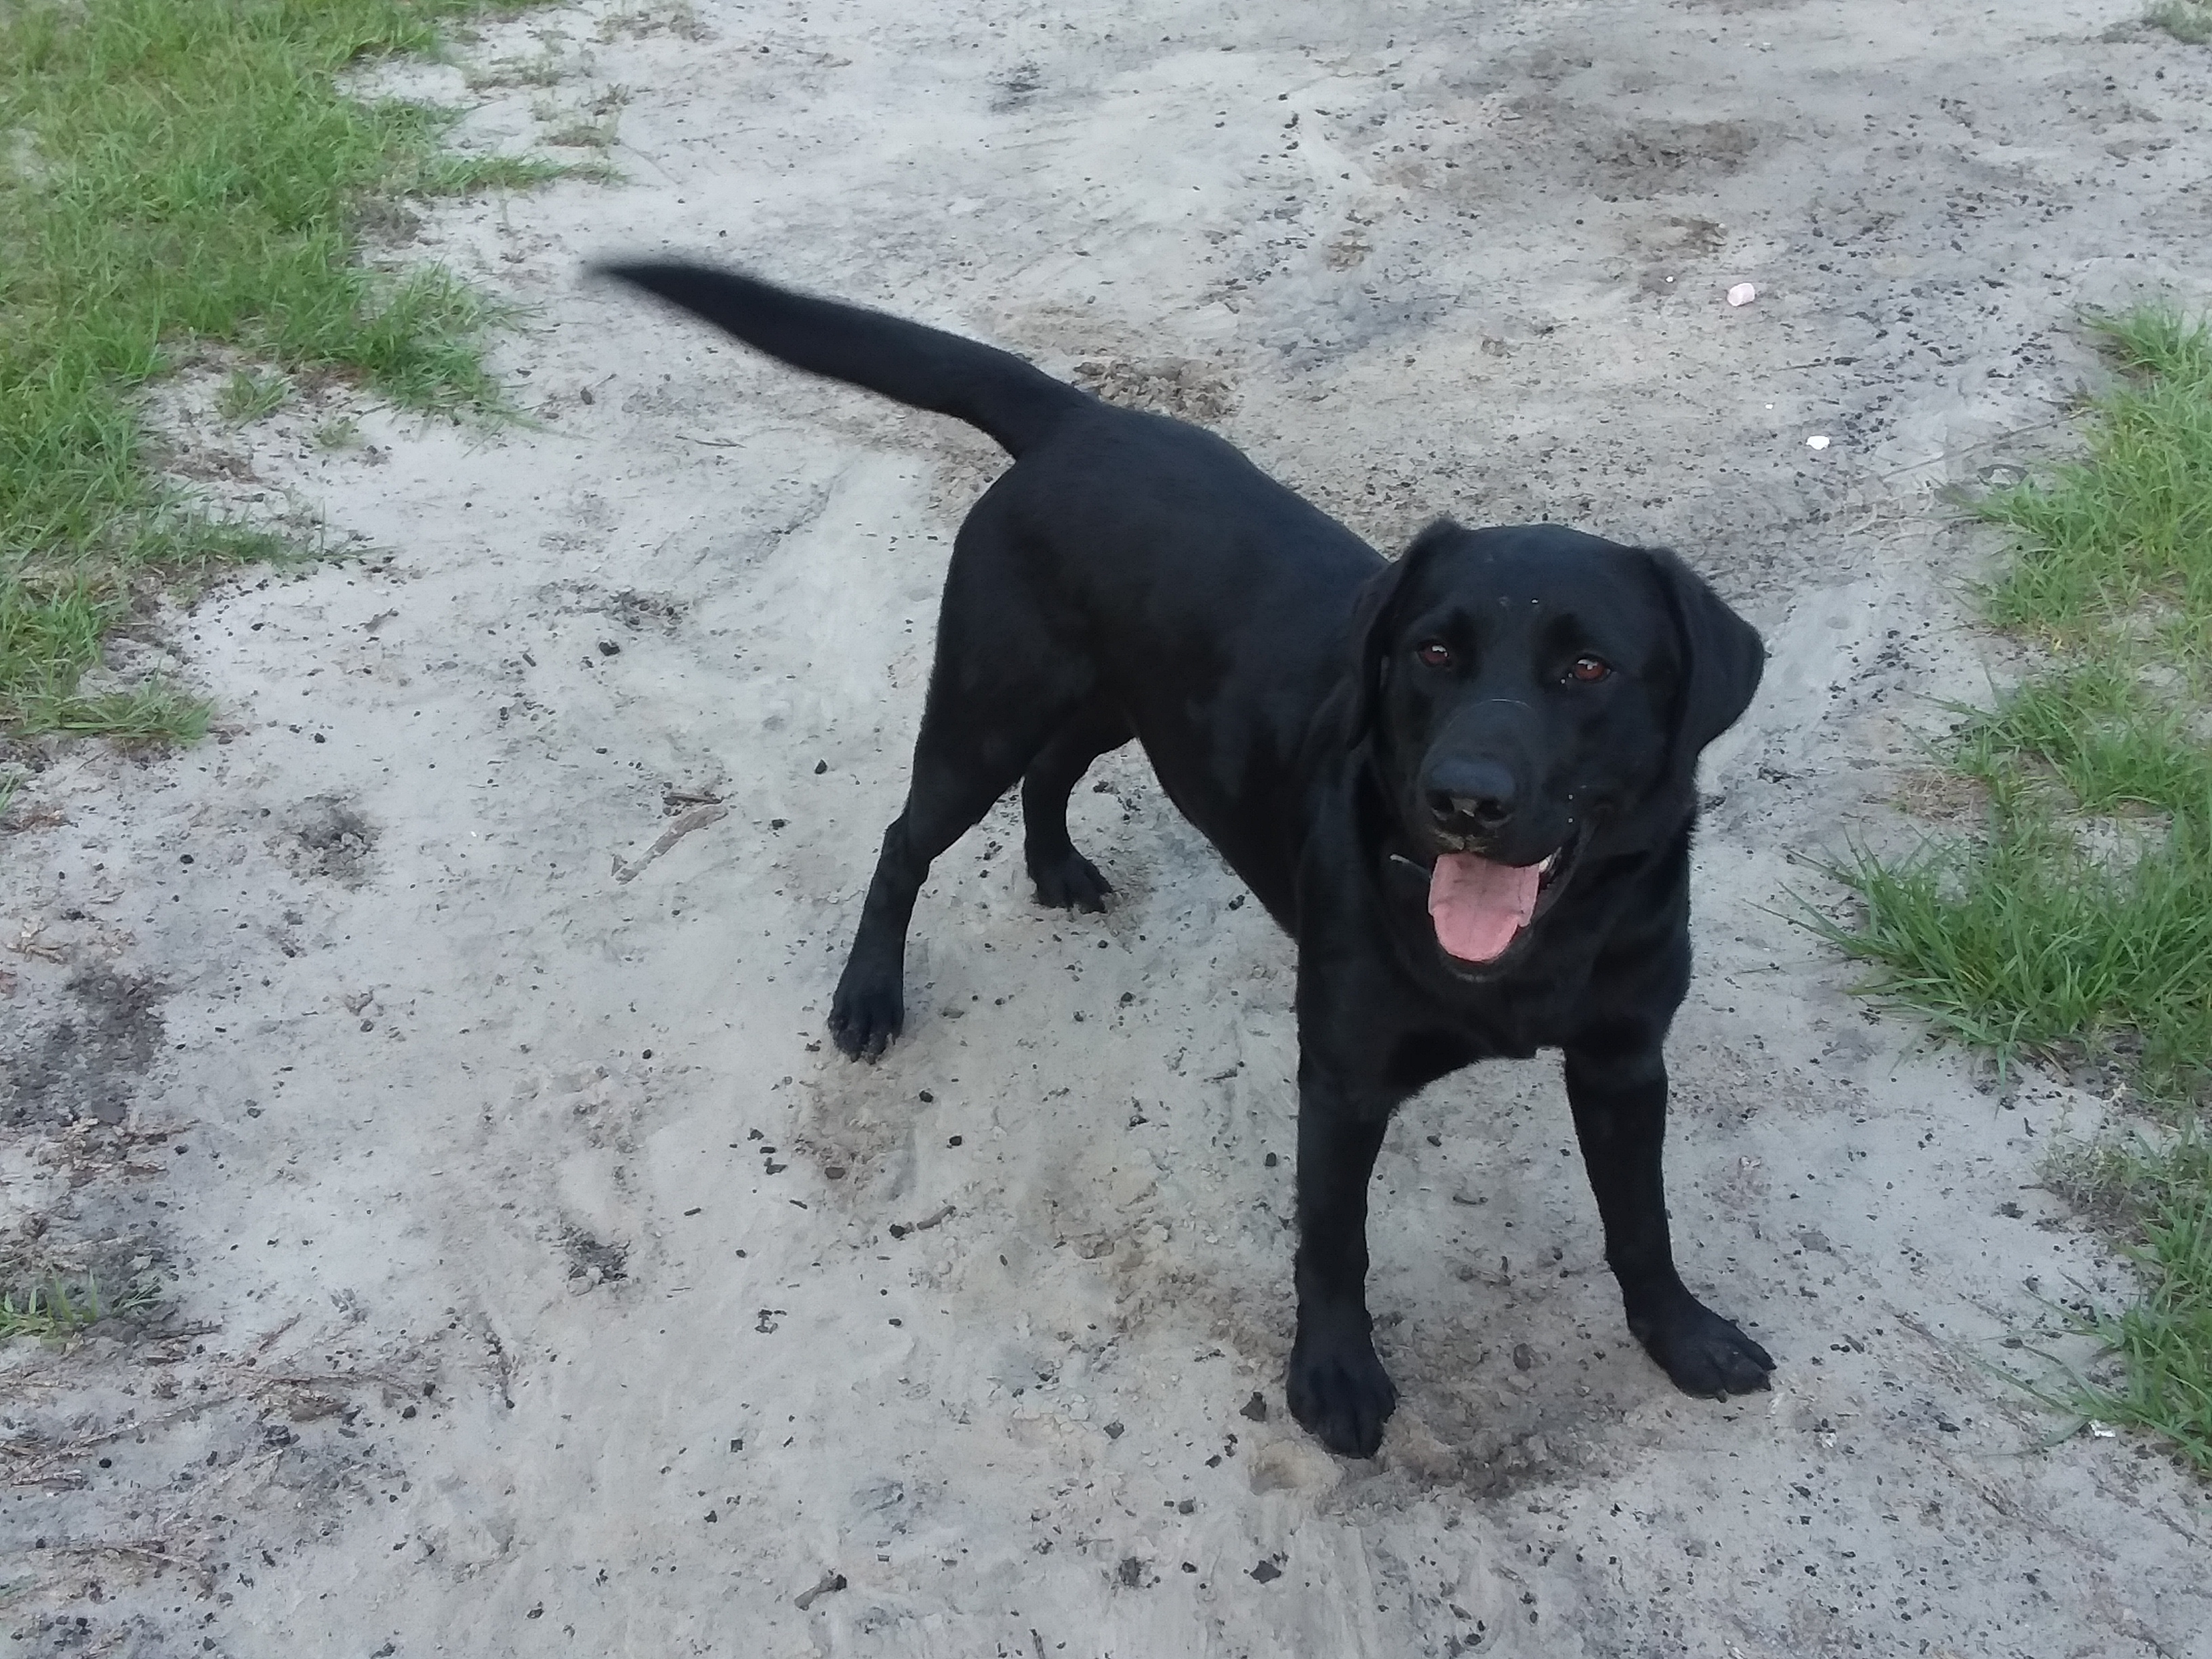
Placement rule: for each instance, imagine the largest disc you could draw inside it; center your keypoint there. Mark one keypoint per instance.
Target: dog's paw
(865, 1015)
(1338, 1388)
(1072, 882)
(1703, 1352)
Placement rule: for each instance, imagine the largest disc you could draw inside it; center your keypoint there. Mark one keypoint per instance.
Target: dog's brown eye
(1434, 653)
(1589, 670)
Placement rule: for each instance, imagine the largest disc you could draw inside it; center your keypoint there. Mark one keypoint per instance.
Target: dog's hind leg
(1065, 880)
(1003, 682)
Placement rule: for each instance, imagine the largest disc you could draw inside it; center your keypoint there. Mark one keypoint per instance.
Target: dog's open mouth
(1479, 906)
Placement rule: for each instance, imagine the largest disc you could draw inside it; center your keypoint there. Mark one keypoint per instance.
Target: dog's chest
(1513, 1019)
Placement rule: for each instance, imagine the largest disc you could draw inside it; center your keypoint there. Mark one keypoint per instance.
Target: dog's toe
(1071, 883)
(1339, 1390)
(862, 1022)
(1703, 1353)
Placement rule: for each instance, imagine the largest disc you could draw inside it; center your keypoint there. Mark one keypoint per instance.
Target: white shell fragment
(1742, 294)
(1816, 441)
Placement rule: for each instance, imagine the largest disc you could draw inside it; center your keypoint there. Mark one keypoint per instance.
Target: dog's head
(1536, 700)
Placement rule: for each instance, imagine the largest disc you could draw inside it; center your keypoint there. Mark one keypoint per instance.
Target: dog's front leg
(1618, 1093)
(1337, 1387)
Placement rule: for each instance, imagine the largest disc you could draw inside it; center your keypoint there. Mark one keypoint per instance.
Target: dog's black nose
(1480, 792)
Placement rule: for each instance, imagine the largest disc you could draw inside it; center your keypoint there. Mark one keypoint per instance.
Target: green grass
(247, 396)
(2159, 1199)
(2079, 924)
(2185, 20)
(2116, 551)
(177, 174)
(2022, 946)
(58, 1307)
(2076, 926)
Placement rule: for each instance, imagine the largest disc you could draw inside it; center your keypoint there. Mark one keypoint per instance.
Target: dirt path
(546, 1286)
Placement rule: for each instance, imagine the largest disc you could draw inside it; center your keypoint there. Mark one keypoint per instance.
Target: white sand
(669, 1368)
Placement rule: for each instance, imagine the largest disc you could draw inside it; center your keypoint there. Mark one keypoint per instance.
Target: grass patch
(247, 396)
(175, 174)
(2185, 20)
(2159, 1199)
(2077, 924)
(2116, 551)
(59, 1308)
(546, 67)
(2080, 920)
(594, 127)
(2019, 945)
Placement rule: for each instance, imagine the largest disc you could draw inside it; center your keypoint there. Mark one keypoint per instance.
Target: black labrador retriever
(1464, 781)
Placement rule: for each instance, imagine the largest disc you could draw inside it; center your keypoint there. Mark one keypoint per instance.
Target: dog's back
(1205, 600)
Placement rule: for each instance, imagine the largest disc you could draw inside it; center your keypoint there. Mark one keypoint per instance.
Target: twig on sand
(154, 1551)
(697, 818)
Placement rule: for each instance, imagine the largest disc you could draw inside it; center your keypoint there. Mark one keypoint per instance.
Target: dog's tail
(1014, 402)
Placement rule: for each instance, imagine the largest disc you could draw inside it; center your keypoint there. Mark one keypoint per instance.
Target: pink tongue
(1478, 906)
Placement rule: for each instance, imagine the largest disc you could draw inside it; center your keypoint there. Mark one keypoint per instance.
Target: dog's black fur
(1334, 723)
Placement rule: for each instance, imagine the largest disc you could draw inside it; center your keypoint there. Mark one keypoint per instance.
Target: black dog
(1463, 782)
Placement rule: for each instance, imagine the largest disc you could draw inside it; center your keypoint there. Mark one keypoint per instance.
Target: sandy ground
(538, 1281)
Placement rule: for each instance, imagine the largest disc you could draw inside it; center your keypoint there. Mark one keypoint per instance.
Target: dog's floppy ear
(1372, 609)
(1722, 657)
